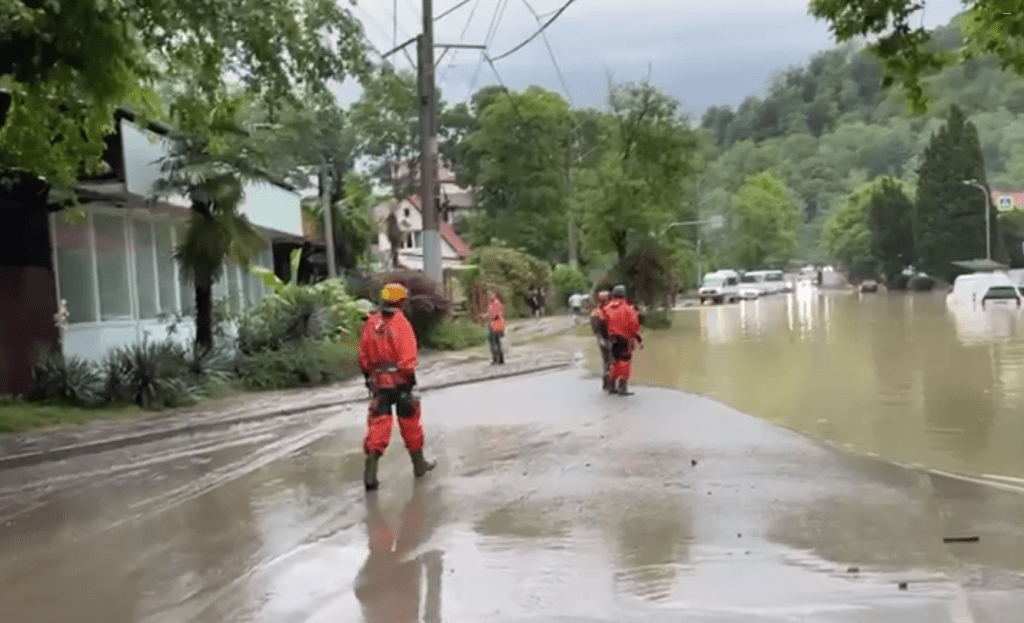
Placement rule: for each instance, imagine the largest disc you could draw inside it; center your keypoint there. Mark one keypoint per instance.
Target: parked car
(721, 286)
(749, 292)
(869, 285)
(975, 288)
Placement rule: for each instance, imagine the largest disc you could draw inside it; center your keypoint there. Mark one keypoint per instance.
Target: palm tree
(213, 178)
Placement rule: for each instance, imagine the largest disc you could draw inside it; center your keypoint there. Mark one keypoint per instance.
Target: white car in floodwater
(721, 286)
(984, 289)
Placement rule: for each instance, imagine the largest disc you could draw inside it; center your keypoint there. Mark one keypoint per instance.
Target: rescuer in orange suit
(387, 356)
(599, 326)
(496, 327)
(623, 323)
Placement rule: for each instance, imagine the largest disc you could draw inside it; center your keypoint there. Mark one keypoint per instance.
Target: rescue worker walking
(600, 329)
(388, 358)
(624, 331)
(496, 327)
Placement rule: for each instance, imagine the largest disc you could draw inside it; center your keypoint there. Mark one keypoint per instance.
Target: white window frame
(128, 230)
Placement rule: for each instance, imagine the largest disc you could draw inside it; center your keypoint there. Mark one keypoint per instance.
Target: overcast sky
(704, 52)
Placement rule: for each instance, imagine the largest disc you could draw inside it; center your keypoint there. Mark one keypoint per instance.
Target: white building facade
(115, 269)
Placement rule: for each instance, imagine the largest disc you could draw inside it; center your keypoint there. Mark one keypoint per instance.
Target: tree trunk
(204, 317)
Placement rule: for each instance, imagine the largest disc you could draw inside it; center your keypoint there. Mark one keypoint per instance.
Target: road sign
(1005, 203)
(717, 221)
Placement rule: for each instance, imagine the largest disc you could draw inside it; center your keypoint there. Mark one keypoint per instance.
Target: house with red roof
(1005, 200)
(409, 216)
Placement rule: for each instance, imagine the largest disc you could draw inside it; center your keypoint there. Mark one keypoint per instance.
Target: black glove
(412, 380)
(366, 379)
(639, 340)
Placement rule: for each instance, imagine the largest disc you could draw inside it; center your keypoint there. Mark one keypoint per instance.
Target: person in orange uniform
(624, 331)
(599, 326)
(496, 327)
(388, 358)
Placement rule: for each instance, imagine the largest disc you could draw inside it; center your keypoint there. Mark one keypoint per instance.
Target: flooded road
(895, 375)
(551, 503)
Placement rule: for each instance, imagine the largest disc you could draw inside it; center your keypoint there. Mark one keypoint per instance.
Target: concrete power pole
(428, 147)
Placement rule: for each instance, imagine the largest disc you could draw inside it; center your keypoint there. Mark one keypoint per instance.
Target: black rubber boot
(370, 471)
(420, 465)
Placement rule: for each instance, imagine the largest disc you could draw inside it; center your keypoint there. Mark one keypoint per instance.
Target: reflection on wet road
(551, 502)
(895, 375)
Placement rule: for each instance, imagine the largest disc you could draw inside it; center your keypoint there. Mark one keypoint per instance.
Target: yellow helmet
(393, 295)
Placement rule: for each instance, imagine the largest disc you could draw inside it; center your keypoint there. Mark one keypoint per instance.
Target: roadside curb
(113, 443)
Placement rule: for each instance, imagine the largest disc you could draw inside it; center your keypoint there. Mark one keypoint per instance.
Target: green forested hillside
(828, 126)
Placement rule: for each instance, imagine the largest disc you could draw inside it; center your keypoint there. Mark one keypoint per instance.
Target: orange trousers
(622, 359)
(380, 420)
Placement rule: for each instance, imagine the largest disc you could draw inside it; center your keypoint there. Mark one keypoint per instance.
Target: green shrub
(921, 283)
(512, 273)
(456, 335)
(657, 319)
(427, 305)
(66, 379)
(299, 364)
(322, 311)
(568, 280)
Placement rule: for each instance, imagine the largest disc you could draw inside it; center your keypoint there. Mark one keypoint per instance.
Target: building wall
(116, 273)
(267, 205)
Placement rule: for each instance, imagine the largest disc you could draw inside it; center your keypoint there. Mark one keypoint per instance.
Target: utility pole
(428, 148)
(429, 198)
(325, 202)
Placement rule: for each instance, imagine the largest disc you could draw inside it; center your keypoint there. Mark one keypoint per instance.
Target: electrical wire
(454, 8)
(508, 92)
(551, 54)
(384, 31)
(536, 34)
(462, 36)
(483, 53)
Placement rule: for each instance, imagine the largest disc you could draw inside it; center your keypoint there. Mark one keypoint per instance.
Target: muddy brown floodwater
(894, 375)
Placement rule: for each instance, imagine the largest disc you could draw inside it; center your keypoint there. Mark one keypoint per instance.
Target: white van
(721, 286)
(766, 281)
(983, 289)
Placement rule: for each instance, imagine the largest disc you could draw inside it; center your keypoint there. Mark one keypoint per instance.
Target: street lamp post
(716, 222)
(988, 217)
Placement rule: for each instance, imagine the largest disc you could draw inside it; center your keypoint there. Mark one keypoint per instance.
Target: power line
(534, 35)
(384, 31)
(551, 53)
(508, 92)
(487, 41)
(462, 36)
(454, 8)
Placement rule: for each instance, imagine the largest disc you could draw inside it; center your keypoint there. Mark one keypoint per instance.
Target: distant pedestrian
(496, 327)
(541, 302)
(576, 305)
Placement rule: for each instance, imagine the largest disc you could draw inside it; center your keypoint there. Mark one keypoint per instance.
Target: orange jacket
(622, 320)
(497, 316)
(388, 341)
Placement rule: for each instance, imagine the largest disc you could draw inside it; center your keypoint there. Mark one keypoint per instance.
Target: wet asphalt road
(551, 503)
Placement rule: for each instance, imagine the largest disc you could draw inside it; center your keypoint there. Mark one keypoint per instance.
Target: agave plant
(66, 379)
